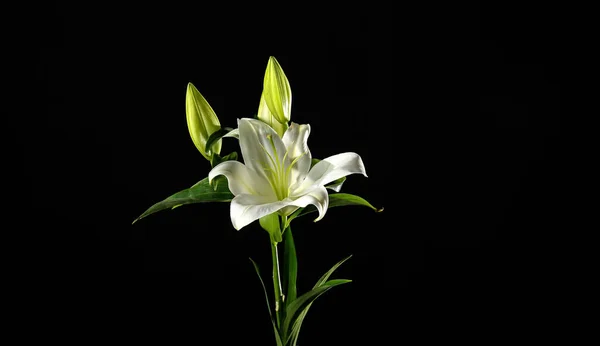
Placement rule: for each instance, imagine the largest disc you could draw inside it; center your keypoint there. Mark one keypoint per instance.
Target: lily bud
(277, 92)
(202, 121)
(267, 117)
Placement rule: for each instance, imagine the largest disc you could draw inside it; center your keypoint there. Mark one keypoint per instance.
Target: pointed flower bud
(202, 121)
(265, 115)
(277, 92)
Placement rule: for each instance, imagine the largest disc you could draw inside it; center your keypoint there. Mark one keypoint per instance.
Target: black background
(455, 111)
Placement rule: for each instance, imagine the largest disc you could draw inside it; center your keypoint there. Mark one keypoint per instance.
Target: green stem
(277, 283)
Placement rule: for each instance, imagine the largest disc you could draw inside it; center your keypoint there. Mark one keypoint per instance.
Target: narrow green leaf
(335, 200)
(295, 333)
(218, 181)
(232, 156)
(263, 286)
(277, 336)
(298, 322)
(216, 159)
(201, 192)
(326, 276)
(296, 307)
(335, 282)
(290, 266)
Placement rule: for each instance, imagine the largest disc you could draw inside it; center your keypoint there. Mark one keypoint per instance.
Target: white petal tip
(319, 218)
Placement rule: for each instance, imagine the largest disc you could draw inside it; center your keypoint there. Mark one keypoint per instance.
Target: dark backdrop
(455, 112)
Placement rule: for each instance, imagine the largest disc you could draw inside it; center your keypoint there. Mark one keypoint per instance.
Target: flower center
(278, 174)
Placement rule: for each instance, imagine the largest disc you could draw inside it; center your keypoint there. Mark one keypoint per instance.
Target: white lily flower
(276, 175)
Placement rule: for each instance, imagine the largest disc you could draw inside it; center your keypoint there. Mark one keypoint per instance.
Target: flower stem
(277, 283)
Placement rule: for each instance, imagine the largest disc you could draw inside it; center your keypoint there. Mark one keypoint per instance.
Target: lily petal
(335, 186)
(295, 140)
(241, 180)
(246, 208)
(262, 149)
(332, 168)
(317, 197)
(235, 133)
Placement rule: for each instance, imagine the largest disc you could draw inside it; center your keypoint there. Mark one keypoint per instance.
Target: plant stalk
(277, 283)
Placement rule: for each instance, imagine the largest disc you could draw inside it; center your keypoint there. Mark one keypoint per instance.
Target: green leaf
(298, 323)
(335, 200)
(326, 276)
(201, 120)
(299, 305)
(216, 136)
(290, 266)
(277, 91)
(201, 192)
(216, 159)
(218, 181)
(295, 333)
(277, 336)
(270, 223)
